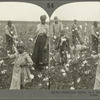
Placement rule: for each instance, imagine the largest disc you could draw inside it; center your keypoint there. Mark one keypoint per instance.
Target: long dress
(39, 54)
(20, 75)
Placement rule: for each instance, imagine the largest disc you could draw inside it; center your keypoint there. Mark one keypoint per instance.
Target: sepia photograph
(75, 46)
(24, 46)
(43, 52)
(49, 49)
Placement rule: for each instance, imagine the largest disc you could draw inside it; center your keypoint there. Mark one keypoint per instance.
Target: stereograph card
(49, 49)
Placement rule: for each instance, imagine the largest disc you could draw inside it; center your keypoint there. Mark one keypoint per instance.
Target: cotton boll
(83, 55)
(67, 28)
(32, 68)
(15, 36)
(87, 72)
(96, 63)
(85, 62)
(46, 67)
(3, 72)
(32, 76)
(21, 42)
(1, 62)
(78, 56)
(67, 65)
(40, 84)
(80, 26)
(72, 83)
(64, 74)
(47, 83)
(55, 37)
(52, 67)
(63, 39)
(69, 61)
(62, 70)
(31, 39)
(78, 80)
(40, 75)
(46, 79)
(97, 33)
(15, 49)
(72, 88)
(11, 32)
(16, 42)
(8, 51)
(76, 29)
(51, 53)
(69, 56)
(31, 54)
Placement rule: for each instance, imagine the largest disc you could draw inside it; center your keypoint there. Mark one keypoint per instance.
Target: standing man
(56, 27)
(95, 32)
(75, 33)
(11, 34)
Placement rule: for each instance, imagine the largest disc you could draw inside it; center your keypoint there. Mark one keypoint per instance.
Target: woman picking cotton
(41, 46)
(21, 72)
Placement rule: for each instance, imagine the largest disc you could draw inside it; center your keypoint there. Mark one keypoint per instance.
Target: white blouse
(42, 28)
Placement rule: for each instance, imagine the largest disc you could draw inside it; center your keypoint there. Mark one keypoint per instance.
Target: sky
(85, 11)
(19, 11)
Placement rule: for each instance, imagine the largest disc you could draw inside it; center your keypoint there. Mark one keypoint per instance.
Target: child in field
(21, 72)
(63, 46)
